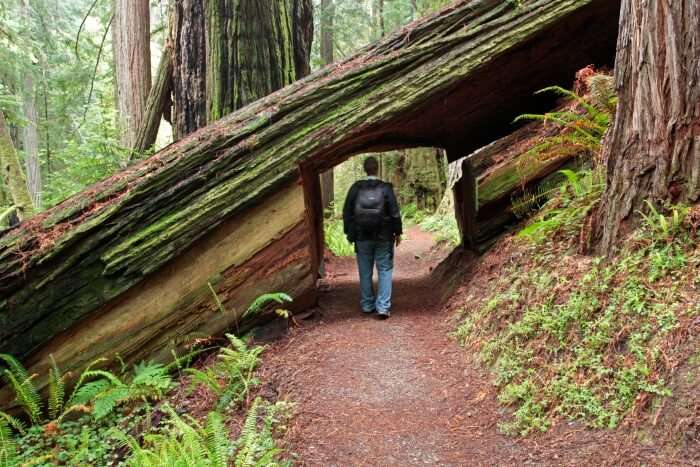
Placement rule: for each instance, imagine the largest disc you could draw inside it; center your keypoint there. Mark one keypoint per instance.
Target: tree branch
(82, 24)
(97, 64)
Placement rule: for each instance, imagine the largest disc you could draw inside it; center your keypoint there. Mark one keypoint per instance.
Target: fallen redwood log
(125, 266)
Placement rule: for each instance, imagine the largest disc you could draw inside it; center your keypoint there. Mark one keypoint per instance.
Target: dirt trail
(401, 391)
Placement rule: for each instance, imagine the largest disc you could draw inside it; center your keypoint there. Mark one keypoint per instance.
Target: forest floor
(403, 392)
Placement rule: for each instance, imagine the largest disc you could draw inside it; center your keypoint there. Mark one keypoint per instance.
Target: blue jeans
(370, 252)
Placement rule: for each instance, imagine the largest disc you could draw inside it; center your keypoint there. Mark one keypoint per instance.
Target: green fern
(217, 440)
(256, 444)
(577, 197)
(26, 393)
(260, 302)
(13, 422)
(187, 442)
(232, 376)
(603, 93)
(9, 451)
(664, 228)
(582, 129)
(57, 391)
(532, 199)
(150, 381)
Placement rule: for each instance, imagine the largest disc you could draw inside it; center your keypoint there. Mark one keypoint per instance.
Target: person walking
(372, 221)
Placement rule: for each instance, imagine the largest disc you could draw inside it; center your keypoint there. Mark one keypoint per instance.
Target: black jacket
(392, 219)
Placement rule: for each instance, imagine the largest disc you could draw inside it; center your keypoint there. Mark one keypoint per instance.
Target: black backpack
(370, 206)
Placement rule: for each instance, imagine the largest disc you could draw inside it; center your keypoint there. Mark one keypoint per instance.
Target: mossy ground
(575, 337)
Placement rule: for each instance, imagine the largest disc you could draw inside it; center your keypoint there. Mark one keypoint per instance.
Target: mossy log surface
(453, 80)
(506, 169)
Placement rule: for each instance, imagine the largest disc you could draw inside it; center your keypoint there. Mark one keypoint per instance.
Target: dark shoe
(369, 312)
(383, 315)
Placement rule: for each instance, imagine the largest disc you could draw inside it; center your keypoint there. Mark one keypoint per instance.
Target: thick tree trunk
(230, 53)
(327, 57)
(30, 143)
(133, 255)
(131, 36)
(189, 68)
(653, 152)
(12, 174)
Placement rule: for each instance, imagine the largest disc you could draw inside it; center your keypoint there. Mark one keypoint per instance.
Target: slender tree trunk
(228, 54)
(653, 152)
(30, 142)
(132, 57)
(327, 57)
(12, 174)
(30, 134)
(158, 103)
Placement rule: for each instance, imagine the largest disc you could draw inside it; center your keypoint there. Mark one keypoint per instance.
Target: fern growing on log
(582, 128)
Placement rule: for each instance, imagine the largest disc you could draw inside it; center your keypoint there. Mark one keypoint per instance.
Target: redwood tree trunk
(229, 53)
(327, 57)
(653, 152)
(30, 142)
(132, 58)
(189, 68)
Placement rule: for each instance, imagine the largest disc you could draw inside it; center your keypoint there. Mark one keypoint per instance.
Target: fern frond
(9, 451)
(237, 343)
(205, 378)
(57, 391)
(218, 302)
(13, 422)
(15, 367)
(108, 375)
(27, 396)
(105, 402)
(603, 93)
(86, 393)
(26, 393)
(151, 380)
(217, 439)
(85, 375)
(262, 300)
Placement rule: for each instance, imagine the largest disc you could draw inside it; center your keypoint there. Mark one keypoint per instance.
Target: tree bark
(230, 53)
(30, 143)
(158, 103)
(653, 152)
(429, 85)
(131, 35)
(12, 174)
(327, 58)
(189, 68)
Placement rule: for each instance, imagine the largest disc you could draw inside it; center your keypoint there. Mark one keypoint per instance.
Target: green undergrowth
(443, 226)
(336, 241)
(132, 417)
(573, 337)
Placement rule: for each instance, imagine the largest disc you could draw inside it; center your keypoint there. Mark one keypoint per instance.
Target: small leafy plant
(194, 444)
(187, 442)
(336, 240)
(231, 377)
(97, 391)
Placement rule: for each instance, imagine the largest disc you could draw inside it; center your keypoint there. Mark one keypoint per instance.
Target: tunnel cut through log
(454, 80)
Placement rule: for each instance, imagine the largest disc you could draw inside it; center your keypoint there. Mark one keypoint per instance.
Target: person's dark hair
(371, 166)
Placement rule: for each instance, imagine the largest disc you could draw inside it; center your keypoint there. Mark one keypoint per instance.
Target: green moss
(586, 345)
